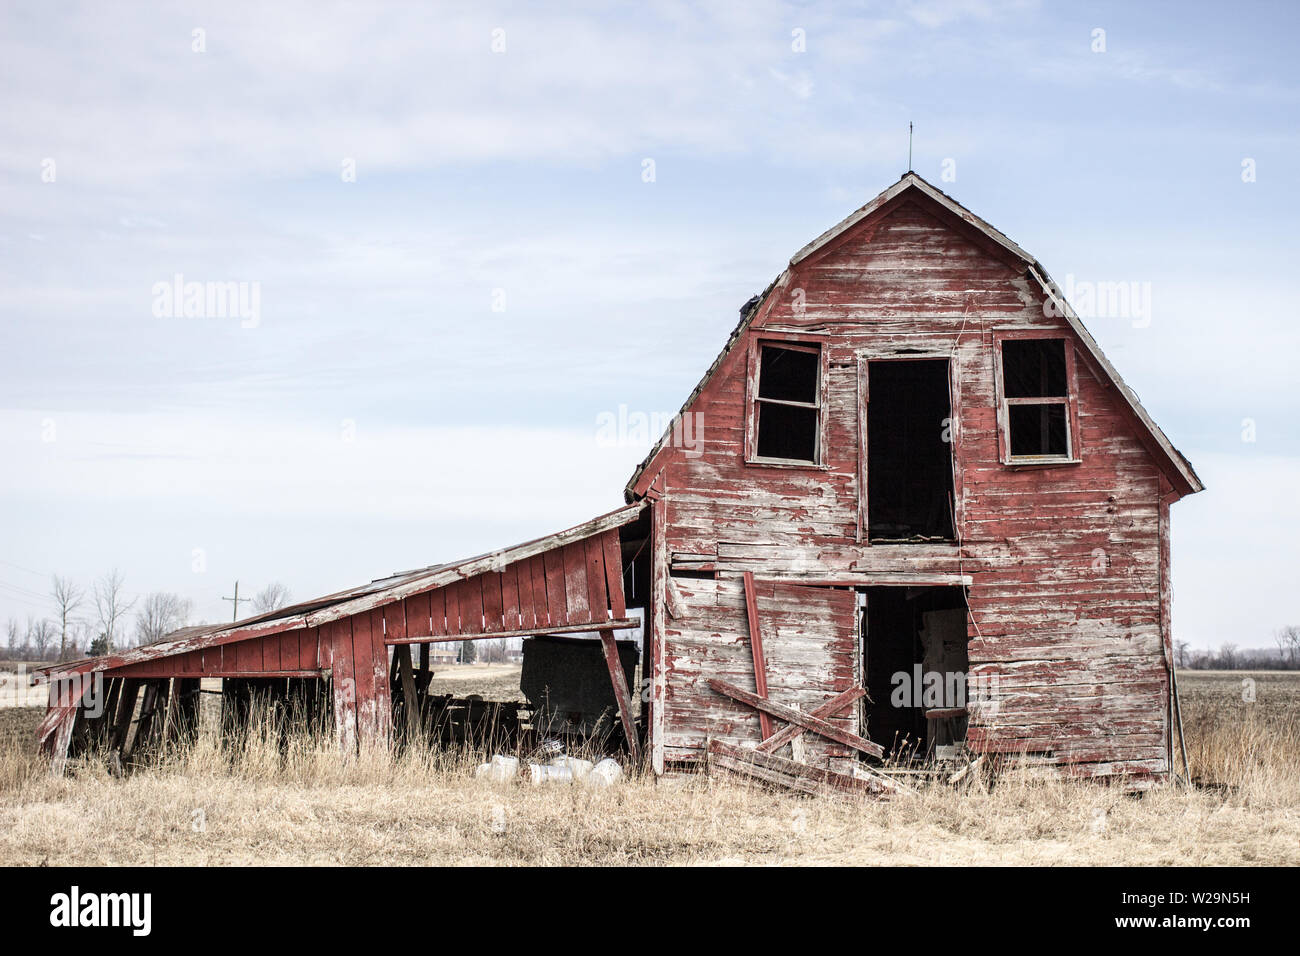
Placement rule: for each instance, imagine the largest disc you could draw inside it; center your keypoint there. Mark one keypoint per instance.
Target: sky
(462, 234)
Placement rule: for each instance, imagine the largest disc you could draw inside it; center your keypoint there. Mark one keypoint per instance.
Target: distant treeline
(1229, 657)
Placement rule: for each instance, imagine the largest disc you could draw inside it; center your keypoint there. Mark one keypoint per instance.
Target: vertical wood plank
(556, 608)
(493, 600)
(510, 597)
(614, 573)
(382, 684)
(541, 600)
(577, 605)
(344, 684)
(597, 598)
(438, 612)
(658, 596)
(471, 605)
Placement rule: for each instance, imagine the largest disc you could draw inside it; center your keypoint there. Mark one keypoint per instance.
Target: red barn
(910, 508)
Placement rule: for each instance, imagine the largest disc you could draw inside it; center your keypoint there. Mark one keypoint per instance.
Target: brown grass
(307, 805)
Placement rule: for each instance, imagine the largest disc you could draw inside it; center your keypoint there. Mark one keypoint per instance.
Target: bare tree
(1288, 641)
(1228, 656)
(1180, 653)
(11, 636)
(83, 633)
(161, 613)
(42, 637)
(271, 598)
(111, 605)
(67, 597)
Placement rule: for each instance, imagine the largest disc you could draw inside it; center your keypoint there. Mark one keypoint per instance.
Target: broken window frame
(1069, 401)
(814, 344)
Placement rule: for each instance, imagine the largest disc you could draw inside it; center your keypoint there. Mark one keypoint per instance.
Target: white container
(577, 766)
(605, 774)
(540, 773)
(499, 769)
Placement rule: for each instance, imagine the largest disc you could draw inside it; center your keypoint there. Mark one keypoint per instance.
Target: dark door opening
(909, 458)
(914, 662)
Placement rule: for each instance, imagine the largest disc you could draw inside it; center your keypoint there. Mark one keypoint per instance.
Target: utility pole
(236, 599)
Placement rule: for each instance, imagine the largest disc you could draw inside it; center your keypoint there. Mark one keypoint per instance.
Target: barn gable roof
(910, 185)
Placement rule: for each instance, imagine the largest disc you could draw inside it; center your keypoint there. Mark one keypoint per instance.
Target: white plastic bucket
(605, 774)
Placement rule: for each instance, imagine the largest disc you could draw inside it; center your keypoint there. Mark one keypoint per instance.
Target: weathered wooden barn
(910, 508)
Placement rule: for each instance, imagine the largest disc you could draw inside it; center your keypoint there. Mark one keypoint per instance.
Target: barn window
(787, 404)
(1039, 412)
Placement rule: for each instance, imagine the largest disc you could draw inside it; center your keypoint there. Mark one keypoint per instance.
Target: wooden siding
(809, 648)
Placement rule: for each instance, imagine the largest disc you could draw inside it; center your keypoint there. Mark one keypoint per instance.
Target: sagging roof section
(313, 613)
(910, 184)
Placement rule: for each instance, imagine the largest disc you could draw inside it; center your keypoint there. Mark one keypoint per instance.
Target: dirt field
(312, 807)
(489, 681)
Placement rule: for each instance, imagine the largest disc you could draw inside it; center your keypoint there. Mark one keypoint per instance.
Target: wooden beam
(827, 710)
(787, 774)
(624, 624)
(795, 716)
(617, 677)
(756, 651)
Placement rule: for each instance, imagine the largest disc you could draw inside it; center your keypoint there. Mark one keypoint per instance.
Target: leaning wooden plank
(756, 650)
(63, 737)
(787, 773)
(619, 680)
(824, 712)
(125, 712)
(795, 716)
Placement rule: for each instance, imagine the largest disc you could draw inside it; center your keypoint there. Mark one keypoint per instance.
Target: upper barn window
(1038, 418)
(786, 413)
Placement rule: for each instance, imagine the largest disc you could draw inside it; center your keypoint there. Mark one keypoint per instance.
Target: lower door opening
(914, 662)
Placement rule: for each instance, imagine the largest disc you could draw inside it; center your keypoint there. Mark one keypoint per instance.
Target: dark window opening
(1034, 368)
(1038, 430)
(909, 456)
(787, 406)
(1036, 392)
(908, 635)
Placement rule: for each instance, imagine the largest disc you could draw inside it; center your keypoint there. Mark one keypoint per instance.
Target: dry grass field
(308, 805)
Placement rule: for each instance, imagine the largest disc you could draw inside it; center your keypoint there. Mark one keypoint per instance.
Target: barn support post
(425, 673)
(402, 657)
(610, 646)
(125, 713)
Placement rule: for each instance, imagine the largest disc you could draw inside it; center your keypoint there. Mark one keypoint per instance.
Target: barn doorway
(909, 451)
(914, 666)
